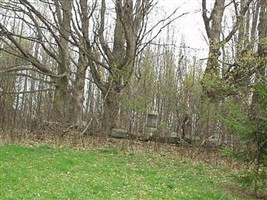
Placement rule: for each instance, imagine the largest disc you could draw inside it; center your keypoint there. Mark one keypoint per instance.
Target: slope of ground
(45, 172)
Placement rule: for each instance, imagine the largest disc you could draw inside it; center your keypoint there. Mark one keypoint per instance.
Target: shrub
(250, 126)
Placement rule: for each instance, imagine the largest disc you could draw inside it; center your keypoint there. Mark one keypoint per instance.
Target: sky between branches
(190, 26)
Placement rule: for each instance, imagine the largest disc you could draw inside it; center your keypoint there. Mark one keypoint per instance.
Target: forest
(118, 69)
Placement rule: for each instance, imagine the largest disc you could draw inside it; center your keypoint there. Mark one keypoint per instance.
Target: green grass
(57, 173)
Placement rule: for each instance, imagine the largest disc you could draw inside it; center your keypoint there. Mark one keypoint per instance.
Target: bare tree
(114, 50)
(260, 61)
(78, 40)
(213, 25)
(48, 32)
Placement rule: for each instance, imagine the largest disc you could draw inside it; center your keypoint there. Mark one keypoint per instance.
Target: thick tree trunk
(78, 97)
(61, 101)
(111, 109)
(62, 96)
(67, 105)
(262, 55)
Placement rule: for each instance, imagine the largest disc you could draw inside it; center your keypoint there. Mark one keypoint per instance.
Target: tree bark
(60, 102)
(111, 109)
(78, 91)
(262, 56)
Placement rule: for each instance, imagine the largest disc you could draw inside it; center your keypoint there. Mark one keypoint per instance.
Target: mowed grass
(45, 172)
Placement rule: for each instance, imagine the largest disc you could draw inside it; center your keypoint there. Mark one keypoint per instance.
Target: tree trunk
(262, 54)
(111, 109)
(62, 95)
(61, 101)
(78, 96)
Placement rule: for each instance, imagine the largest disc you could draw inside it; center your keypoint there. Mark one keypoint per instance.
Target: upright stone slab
(152, 120)
(151, 125)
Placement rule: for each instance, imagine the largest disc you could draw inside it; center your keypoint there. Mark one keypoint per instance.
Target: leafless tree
(213, 25)
(48, 31)
(78, 41)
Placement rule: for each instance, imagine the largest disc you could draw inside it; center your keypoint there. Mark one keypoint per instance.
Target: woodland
(102, 69)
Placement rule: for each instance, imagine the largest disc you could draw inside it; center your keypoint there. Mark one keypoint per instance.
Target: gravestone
(119, 133)
(151, 125)
(152, 120)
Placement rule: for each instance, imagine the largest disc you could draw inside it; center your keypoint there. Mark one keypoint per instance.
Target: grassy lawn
(59, 173)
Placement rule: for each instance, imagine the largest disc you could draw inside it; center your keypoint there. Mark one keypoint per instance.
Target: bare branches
(213, 22)
(213, 26)
(31, 91)
(25, 54)
(103, 43)
(205, 17)
(238, 22)
(167, 21)
(21, 68)
(65, 40)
